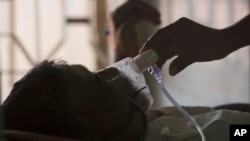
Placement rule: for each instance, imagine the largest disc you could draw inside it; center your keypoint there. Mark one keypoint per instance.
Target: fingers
(165, 44)
(131, 8)
(179, 63)
(168, 42)
(161, 39)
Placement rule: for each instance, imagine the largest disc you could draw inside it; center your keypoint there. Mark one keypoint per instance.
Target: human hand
(190, 42)
(122, 26)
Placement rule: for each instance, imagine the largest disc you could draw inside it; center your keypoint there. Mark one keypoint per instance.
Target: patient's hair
(42, 101)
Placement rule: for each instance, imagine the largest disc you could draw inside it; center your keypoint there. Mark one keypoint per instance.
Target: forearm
(238, 35)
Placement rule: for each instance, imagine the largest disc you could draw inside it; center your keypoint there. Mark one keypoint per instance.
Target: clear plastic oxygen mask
(133, 68)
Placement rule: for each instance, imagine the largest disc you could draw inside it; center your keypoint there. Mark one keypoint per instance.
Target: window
(34, 30)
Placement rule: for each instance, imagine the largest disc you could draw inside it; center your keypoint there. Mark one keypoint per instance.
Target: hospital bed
(153, 115)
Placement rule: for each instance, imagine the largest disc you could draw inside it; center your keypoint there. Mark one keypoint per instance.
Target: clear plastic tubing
(146, 61)
(155, 71)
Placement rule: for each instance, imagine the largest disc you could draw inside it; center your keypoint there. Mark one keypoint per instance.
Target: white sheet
(172, 127)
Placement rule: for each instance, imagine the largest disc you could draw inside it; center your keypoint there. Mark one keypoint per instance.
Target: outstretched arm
(192, 42)
(238, 35)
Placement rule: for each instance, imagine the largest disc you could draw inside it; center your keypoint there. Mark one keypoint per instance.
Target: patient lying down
(55, 98)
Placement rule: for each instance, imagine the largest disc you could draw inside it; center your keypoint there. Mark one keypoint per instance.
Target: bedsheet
(169, 125)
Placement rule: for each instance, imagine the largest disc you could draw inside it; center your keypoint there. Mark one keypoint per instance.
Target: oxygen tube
(146, 61)
(155, 71)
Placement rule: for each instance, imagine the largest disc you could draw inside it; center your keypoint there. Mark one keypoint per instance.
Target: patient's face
(118, 116)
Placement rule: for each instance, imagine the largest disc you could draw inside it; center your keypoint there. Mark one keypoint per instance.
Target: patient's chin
(144, 100)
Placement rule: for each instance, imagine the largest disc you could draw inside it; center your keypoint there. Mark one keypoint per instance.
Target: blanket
(169, 125)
